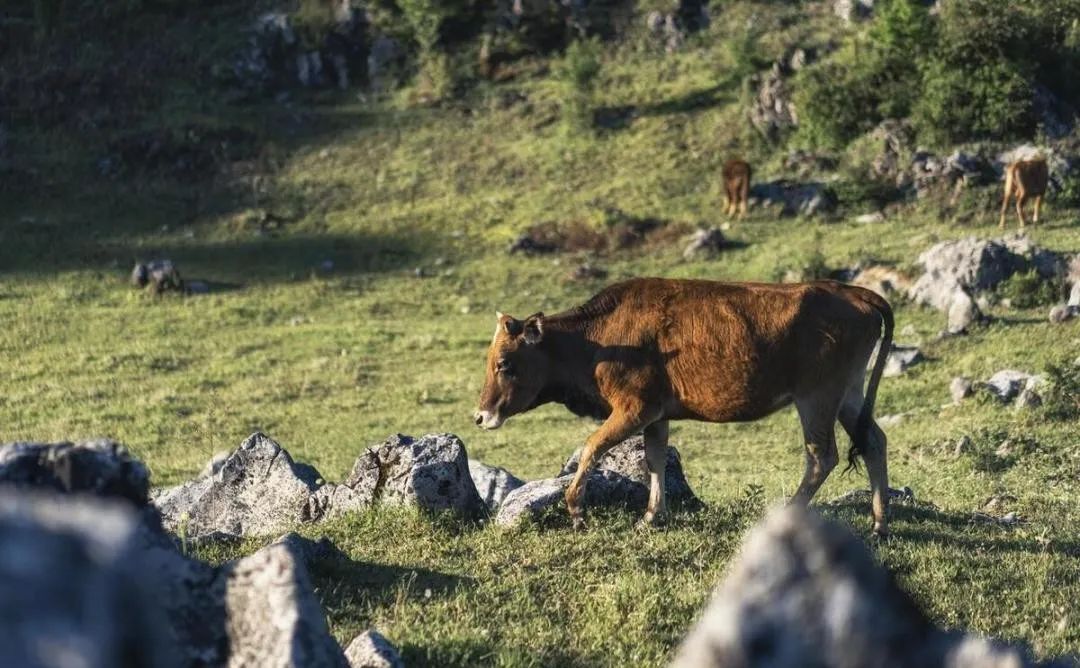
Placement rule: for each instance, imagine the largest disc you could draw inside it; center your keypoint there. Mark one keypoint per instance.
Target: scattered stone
(794, 198)
(588, 272)
(705, 242)
(492, 483)
(603, 489)
(901, 358)
(1063, 313)
(1028, 398)
(157, 276)
(1007, 520)
(964, 445)
(772, 111)
(806, 592)
(371, 650)
(257, 491)
(430, 472)
(961, 388)
(1008, 384)
(962, 312)
(102, 468)
(870, 218)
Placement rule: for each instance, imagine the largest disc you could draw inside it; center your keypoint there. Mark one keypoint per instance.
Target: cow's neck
(571, 368)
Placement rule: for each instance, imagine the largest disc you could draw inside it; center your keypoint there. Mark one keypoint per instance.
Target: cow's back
(736, 351)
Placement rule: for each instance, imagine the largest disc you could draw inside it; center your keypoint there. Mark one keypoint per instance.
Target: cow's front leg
(656, 441)
(616, 429)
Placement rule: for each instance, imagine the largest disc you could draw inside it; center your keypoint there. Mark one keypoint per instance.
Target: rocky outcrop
(101, 468)
(430, 472)
(492, 483)
(806, 592)
(257, 491)
(1010, 385)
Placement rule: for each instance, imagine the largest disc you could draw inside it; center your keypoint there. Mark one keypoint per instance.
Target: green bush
(576, 73)
(1062, 396)
(1028, 290)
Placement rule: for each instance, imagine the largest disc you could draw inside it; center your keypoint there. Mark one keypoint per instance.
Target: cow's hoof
(652, 521)
(881, 531)
(579, 523)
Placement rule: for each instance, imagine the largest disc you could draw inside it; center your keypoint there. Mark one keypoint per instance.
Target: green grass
(330, 363)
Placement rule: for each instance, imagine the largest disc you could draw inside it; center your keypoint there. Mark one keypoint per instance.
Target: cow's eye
(504, 367)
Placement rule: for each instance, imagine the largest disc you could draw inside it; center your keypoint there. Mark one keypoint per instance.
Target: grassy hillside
(414, 205)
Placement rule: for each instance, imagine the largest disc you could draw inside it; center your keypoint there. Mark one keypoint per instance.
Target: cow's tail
(866, 414)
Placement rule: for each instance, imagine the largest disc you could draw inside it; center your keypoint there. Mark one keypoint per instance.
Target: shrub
(576, 72)
(1028, 290)
(1061, 400)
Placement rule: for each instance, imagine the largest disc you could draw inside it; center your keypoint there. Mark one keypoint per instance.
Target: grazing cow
(736, 175)
(646, 351)
(1023, 179)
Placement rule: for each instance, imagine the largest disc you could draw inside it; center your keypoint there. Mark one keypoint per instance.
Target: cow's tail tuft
(866, 415)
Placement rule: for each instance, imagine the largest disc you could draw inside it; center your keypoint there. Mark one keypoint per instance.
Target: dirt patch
(619, 232)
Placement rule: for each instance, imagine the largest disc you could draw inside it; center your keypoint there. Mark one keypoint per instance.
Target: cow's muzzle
(488, 420)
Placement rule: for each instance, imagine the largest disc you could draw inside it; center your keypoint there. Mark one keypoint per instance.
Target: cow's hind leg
(1020, 200)
(656, 441)
(873, 449)
(1038, 205)
(818, 417)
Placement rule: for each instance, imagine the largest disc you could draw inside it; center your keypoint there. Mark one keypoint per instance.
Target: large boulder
(493, 483)
(430, 472)
(257, 491)
(806, 592)
(628, 460)
(620, 479)
(74, 588)
(102, 468)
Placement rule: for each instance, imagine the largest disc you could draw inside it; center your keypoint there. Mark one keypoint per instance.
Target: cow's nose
(479, 418)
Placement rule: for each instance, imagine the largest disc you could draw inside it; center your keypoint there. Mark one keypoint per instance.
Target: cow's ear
(534, 329)
(510, 325)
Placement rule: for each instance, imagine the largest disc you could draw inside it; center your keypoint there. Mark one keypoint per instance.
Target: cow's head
(516, 370)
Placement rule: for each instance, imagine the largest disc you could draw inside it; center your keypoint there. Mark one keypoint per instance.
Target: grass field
(415, 206)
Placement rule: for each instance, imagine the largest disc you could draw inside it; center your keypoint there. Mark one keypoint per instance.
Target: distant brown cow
(1024, 178)
(650, 350)
(736, 175)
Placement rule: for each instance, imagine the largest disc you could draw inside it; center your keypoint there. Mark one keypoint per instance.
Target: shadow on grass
(923, 523)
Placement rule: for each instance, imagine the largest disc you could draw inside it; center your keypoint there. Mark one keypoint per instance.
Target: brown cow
(1024, 178)
(646, 351)
(736, 175)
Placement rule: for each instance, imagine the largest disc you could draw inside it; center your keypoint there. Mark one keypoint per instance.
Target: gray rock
(603, 489)
(430, 472)
(705, 242)
(772, 110)
(901, 358)
(371, 650)
(627, 459)
(1008, 384)
(492, 483)
(74, 589)
(1028, 398)
(1063, 313)
(101, 467)
(969, 263)
(1047, 263)
(849, 10)
(806, 592)
(960, 388)
(273, 617)
(870, 218)
(794, 198)
(257, 491)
